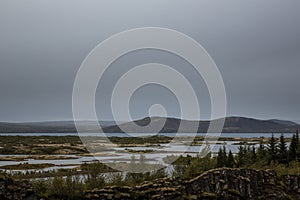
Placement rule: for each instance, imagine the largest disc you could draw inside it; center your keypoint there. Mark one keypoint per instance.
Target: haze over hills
(50, 126)
(285, 122)
(232, 125)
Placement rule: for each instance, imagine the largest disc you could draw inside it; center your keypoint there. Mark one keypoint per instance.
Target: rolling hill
(232, 125)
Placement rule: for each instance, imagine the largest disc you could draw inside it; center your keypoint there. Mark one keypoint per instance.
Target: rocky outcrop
(15, 190)
(234, 184)
(290, 184)
(222, 183)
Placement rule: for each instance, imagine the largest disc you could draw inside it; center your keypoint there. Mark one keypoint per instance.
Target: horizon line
(173, 117)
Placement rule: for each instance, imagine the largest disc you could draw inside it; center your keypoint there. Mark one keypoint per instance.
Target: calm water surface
(229, 135)
(120, 154)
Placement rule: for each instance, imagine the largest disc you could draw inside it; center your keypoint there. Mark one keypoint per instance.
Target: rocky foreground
(223, 183)
(15, 190)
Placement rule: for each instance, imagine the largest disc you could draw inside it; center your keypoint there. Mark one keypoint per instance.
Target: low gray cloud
(256, 45)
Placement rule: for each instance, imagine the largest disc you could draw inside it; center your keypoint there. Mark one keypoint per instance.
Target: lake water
(120, 153)
(226, 135)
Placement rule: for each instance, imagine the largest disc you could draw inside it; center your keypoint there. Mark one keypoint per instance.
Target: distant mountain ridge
(232, 125)
(50, 126)
(285, 122)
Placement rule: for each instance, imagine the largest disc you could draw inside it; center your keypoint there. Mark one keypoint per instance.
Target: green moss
(288, 197)
(280, 187)
(209, 195)
(190, 197)
(156, 196)
(245, 179)
(122, 195)
(234, 192)
(281, 183)
(261, 197)
(25, 166)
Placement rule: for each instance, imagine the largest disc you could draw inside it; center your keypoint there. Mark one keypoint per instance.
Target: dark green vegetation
(275, 156)
(11, 189)
(36, 157)
(232, 125)
(89, 180)
(73, 186)
(43, 145)
(55, 145)
(23, 166)
(127, 141)
(221, 184)
(80, 170)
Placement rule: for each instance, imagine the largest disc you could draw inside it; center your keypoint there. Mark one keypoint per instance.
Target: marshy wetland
(42, 155)
(56, 164)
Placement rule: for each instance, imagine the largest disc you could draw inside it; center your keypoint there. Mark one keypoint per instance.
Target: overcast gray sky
(255, 44)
